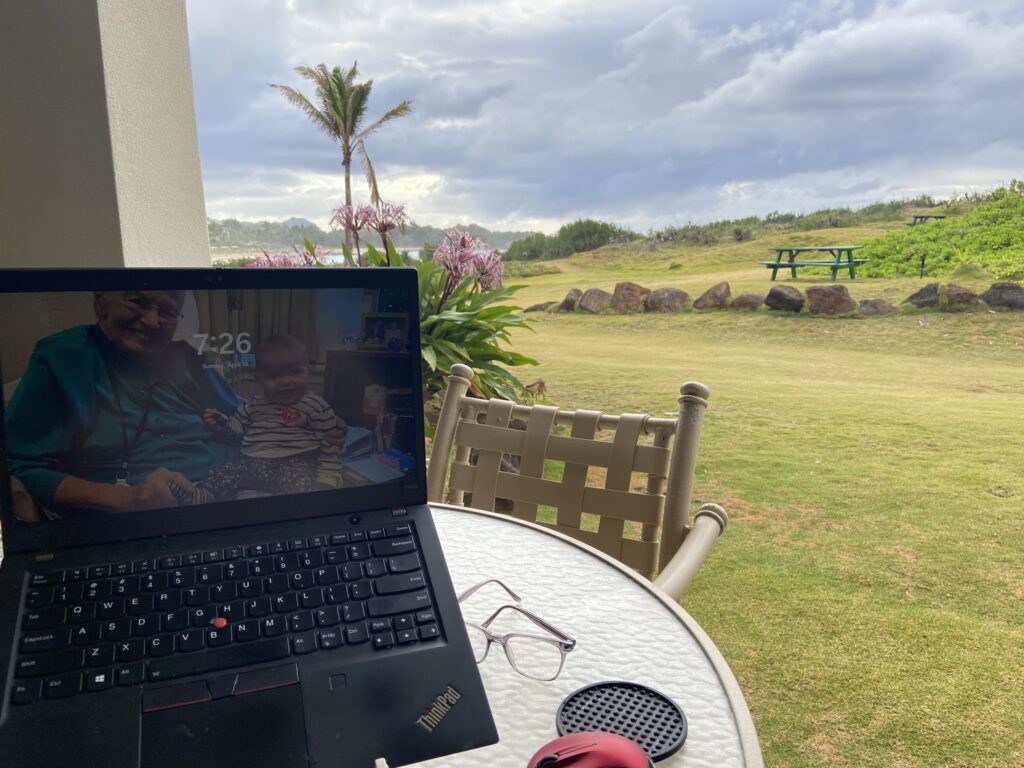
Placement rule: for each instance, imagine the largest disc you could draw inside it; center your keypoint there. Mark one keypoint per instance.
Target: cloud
(530, 113)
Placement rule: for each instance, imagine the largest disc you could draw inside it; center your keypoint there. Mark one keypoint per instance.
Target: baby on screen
(283, 431)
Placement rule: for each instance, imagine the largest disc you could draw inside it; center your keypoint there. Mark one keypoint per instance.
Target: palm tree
(339, 112)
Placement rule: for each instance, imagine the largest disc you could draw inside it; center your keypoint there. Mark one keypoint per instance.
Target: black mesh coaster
(649, 718)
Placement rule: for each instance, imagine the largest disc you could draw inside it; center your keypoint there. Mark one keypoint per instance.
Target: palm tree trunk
(346, 161)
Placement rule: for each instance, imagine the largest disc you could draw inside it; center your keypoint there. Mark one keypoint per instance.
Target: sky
(529, 114)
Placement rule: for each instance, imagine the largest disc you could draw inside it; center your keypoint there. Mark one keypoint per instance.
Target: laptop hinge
(399, 512)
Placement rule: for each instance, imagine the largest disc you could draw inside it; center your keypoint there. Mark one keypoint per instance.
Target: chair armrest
(708, 524)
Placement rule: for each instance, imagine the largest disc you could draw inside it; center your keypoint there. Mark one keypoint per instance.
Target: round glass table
(625, 629)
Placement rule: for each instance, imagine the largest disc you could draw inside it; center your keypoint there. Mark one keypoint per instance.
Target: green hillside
(990, 235)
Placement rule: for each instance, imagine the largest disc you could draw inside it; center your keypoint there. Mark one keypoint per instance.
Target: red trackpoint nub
(219, 623)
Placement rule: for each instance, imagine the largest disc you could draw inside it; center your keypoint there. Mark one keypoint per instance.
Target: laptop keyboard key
(391, 547)
(273, 626)
(62, 686)
(37, 598)
(46, 641)
(258, 608)
(50, 663)
(383, 640)
(429, 632)
(403, 582)
(303, 643)
(190, 640)
(139, 605)
(26, 692)
(407, 636)
(111, 609)
(245, 654)
(44, 618)
(130, 674)
(356, 633)
(160, 645)
(130, 650)
(404, 563)
(218, 638)
(330, 639)
(285, 603)
(100, 655)
(100, 680)
(361, 590)
(327, 616)
(406, 603)
(246, 631)
(81, 614)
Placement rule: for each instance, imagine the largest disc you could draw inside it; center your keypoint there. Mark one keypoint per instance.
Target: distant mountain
(283, 234)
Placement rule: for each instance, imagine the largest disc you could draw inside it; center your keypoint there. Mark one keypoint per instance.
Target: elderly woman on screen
(109, 416)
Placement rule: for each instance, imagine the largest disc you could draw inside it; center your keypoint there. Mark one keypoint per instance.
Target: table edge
(749, 742)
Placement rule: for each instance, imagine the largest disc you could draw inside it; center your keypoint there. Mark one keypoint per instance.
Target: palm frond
(371, 175)
(322, 121)
(402, 109)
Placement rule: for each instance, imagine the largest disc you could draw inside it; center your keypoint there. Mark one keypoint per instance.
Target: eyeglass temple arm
(535, 619)
(484, 583)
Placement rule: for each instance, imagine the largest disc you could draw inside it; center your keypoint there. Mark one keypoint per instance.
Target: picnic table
(923, 218)
(842, 258)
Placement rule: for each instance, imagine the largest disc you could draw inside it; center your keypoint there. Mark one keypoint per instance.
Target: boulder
(876, 307)
(569, 302)
(748, 301)
(666, 300)
(540, 307)
(1005, 294)
(594, 301)
(958, 297)
(926, 297)
(829, 300)
(629, 297)
(784, 297)
(715, 297)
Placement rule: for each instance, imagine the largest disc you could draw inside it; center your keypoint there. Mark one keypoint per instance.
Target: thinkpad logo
(438, 709)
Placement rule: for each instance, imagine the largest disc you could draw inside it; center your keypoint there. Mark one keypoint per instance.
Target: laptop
(217, 547)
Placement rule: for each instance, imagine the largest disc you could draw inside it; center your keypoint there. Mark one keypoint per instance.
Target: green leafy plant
(463, 317)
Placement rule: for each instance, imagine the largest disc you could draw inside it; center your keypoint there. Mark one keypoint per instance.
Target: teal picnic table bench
(923, 218)
(842, 258)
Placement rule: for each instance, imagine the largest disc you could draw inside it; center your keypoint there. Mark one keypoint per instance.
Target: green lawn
(869, 593)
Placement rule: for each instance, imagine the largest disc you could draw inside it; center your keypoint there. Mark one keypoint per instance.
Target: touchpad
(265, 728)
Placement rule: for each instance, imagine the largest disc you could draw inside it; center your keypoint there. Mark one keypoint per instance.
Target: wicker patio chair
(479, 431)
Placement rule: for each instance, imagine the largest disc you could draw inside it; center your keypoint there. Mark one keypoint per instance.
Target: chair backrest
(482, 432)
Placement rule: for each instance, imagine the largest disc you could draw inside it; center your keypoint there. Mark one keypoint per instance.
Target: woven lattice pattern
(487, 436)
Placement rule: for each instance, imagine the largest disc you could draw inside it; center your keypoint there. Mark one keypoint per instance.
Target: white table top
(624, 628)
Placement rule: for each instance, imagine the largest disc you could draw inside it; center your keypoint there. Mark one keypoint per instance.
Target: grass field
(869, 593)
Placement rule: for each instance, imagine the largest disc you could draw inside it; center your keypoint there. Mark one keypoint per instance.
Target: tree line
(285, 234)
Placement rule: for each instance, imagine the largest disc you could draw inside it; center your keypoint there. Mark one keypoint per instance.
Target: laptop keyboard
(88, 630)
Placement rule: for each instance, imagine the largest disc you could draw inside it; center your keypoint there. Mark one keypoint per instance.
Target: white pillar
(99, 157)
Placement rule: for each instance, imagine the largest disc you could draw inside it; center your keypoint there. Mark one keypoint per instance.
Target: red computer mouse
(590, 749)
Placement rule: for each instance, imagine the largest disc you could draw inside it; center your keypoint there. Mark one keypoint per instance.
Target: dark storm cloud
(647, 113)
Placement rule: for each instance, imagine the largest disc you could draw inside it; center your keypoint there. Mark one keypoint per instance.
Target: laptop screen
(134, 405)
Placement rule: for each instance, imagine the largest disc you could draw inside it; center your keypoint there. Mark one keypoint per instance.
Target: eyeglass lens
(530, 656)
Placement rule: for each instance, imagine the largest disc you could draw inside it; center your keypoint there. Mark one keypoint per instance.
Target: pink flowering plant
(310, 255)
(465, 255)
(353, 219)
(463, 317)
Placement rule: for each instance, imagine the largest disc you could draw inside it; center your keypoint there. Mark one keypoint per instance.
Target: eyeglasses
(140, 306)
(533, 656)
